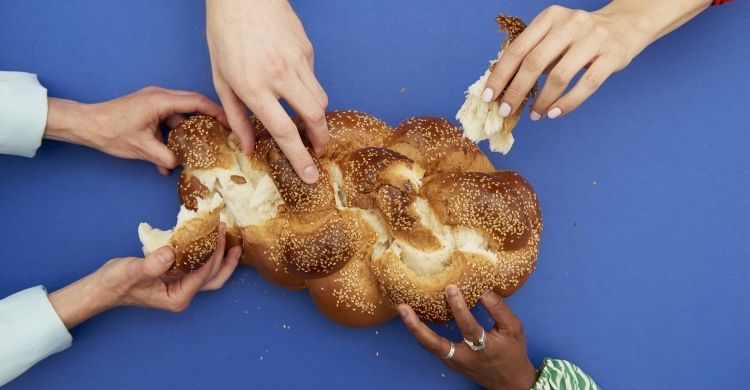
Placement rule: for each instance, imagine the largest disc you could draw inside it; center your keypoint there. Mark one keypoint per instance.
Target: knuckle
(516, 328)
(601, 33)
(151, 89)
(432, 346)
(554, 10)
(277, 66)
(316, 116)
(513, 95)
(471, 330)
(307, 51)
(558, 79)
(591, 81)
(580, 16)
(286, 134)
(534, 62)
(515, 52)
(179, 306)
(324, 100)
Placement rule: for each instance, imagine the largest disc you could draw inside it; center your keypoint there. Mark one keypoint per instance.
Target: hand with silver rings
(494, 358)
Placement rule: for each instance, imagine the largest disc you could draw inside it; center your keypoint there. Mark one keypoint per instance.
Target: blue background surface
(645, 259)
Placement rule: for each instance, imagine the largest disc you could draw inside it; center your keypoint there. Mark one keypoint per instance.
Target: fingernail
(165, 254)
(401, 312)
(487, 95)
(488, 294)
(452, 291)
(504, 109)
(554, 113)
(310, 173)
(535, 116)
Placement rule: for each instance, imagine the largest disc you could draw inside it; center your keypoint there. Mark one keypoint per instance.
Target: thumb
(158, 153)
(158, 262)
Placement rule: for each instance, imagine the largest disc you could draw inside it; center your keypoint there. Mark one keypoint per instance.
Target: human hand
(562, 41)
(128, 127)
(502, 364)
(134, 281)
(260, 53)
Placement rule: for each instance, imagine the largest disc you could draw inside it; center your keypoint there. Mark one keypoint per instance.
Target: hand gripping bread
(482, 120)
(396, 215)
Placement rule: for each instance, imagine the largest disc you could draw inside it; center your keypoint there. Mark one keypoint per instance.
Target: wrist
(528, 376)
(635, 29)
(644, 21)
(69, 121)
(79, 301)
(523, 379)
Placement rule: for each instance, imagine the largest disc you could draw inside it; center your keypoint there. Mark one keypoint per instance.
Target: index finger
(269, 111)
(512, 56)
(470, 328)
(429, 340)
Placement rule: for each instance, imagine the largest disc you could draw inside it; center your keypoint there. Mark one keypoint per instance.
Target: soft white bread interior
(397, 214)
(482, 121)
(193, 238)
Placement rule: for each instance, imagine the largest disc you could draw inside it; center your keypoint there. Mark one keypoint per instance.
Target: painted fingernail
(554, 113)
(487, 95)
(310, 173)
(452, 291)
(165, 255)
(401, 312)
(504, 110)
(535, 116)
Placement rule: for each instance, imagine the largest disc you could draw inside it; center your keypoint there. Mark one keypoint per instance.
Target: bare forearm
(79, 301)
(68, 121)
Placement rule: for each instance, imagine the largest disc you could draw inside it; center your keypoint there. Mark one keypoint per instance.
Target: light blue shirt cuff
(23, 113)
(30, 330)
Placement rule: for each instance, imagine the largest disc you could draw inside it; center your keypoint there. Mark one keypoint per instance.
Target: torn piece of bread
(482, 120)
(193, 238)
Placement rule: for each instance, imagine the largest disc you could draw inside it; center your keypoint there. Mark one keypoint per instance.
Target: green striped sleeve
(558, 374)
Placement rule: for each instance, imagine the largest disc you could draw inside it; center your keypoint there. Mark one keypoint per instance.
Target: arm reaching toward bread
(35, 325)
(133, 281)
(502, 363)
(565, 41)
(127, 127)
(260, 53)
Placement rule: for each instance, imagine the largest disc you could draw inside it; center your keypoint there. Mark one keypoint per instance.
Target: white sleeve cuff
(23, 113)
(30, 330)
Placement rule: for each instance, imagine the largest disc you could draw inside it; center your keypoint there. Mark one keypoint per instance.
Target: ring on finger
(479, 344)
(450, 353)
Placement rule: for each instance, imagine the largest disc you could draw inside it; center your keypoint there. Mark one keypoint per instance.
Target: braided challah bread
(396, 215)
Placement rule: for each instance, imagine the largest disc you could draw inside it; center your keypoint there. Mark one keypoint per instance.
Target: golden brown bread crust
(193, 243)
(319, 245)
(474, 275)
(396, 216)
(437, 146)
(190, 189)
(481, 201)
(201, 142)
(352, 130)
(259, 252)
(352, 296)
